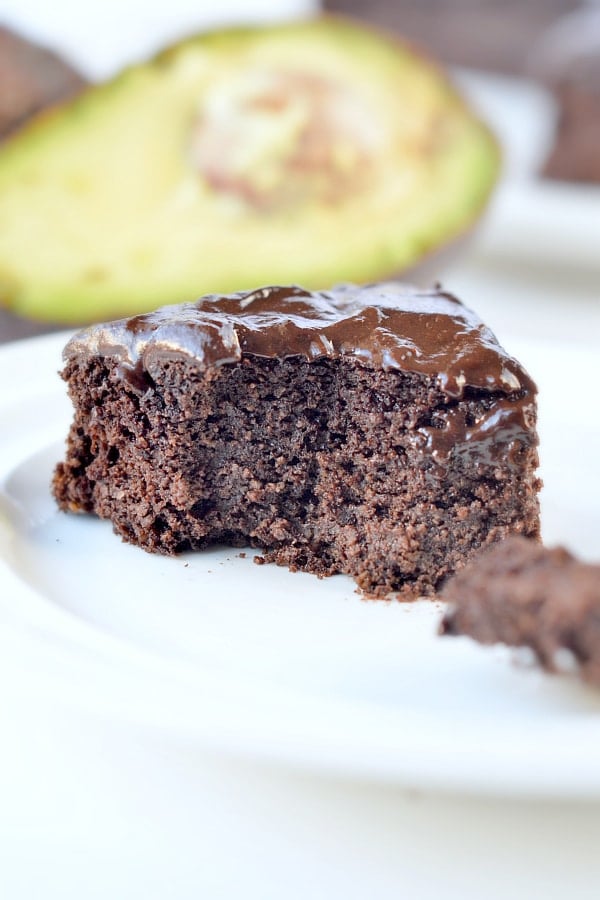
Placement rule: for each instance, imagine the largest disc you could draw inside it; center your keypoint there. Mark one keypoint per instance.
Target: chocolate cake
(378, 431)
(524, 595)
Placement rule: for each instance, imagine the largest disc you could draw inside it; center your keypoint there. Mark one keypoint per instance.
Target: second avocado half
(315, 152)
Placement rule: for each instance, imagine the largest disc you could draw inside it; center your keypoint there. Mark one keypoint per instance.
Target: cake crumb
(524, 595)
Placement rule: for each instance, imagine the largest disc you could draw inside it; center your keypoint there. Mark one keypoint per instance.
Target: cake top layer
(389, 326)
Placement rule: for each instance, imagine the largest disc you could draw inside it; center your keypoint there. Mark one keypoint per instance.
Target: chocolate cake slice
(378, 431)
(524, 595)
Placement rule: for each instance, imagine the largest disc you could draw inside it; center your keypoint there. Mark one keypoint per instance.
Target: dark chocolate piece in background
(31, 79)
(567, 61)
(15, 328)
(576, 153)
(494, 35)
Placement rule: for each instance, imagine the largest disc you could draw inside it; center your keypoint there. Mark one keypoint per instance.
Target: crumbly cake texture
(379, 431)
(524, 595)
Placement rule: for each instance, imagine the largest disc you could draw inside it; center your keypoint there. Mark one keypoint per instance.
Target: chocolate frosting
(388, 326)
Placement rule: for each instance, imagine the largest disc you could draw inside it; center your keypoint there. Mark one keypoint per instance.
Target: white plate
(258, 661)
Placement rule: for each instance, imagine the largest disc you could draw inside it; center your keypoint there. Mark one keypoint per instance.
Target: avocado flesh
(313, 153)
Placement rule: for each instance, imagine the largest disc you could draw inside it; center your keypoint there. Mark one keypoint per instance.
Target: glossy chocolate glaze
(389, 326)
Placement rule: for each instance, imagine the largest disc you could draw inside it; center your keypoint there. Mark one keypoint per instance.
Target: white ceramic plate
(258, 661)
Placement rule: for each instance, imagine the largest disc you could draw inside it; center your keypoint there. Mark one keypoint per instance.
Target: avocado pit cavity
(277, 138)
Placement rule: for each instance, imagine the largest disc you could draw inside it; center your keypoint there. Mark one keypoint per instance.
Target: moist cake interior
(326, 464)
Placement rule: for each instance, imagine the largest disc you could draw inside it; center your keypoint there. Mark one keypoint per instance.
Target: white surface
(120, 815)
(263, 663)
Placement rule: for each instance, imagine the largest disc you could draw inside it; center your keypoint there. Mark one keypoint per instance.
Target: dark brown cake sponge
(380, 432)
(525, 595)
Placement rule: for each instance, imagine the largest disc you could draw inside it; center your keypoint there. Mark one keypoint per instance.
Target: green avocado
(312, 152)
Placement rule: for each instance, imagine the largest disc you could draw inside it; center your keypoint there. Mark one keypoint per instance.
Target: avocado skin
(32, 78)
(68, 302)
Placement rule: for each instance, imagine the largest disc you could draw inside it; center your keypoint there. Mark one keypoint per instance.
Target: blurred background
(493, 35)
(553, 42)
(532, 69)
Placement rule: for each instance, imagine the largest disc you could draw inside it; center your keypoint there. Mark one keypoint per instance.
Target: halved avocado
(312, 152)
